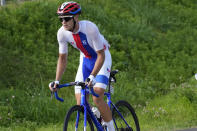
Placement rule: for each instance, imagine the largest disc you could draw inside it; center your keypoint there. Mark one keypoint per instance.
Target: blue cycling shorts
(86, 66)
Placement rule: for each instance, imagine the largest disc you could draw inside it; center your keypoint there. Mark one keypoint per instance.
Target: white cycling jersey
(87, 40)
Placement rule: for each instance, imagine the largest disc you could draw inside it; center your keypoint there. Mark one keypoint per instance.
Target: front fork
(85, 119)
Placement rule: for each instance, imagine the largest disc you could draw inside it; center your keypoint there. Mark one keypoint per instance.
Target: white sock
(110, 125)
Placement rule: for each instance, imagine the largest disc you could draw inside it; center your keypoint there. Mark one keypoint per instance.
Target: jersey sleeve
(95, 36)
(63, 45)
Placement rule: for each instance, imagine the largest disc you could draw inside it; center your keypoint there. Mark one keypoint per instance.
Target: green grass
(173, 111)
(176, 110)
(32, 127)
(153, 44)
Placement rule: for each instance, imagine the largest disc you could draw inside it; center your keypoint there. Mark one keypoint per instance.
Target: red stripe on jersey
(80, 46)
(104, 47)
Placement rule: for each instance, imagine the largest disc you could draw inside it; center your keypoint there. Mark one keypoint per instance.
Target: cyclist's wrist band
(57, 82)
(91, 77)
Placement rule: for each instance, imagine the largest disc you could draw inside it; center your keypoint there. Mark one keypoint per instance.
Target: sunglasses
(65, 19)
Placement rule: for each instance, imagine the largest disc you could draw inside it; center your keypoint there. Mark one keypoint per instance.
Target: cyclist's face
(67, 23)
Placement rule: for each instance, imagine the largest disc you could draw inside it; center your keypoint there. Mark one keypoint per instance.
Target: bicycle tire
(128, 113)
(69, 122)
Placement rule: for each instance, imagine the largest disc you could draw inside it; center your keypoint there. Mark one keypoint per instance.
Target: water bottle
(96, 112)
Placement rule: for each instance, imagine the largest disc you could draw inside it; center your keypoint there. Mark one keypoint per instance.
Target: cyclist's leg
(103, 108)
(78, 98)
(102, 105)
(101, 84)
(81, 76)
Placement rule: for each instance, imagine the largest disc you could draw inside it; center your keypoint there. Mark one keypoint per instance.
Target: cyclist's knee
(99, 91)
(98, 100)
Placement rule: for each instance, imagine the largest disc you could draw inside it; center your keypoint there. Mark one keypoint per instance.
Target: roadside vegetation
(153, 45)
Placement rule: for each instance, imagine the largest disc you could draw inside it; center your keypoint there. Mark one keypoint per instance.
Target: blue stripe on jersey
(101, 79)
(86, 45)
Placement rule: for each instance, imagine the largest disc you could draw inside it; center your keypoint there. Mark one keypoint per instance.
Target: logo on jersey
(108, 70)
(84, 42)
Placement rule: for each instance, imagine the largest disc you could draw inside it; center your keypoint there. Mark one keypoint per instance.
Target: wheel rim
(71, 121)
(127, 114)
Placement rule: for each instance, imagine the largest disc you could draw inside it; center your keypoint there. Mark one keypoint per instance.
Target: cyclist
(95, 58)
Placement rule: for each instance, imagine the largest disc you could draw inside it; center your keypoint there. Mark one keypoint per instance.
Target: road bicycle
(81, 117)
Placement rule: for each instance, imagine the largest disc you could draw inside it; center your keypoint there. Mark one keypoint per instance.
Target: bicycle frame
(109, 102)
(84, 103)
(86, 106)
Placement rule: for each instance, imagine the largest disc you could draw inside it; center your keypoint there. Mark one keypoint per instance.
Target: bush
(153, 44)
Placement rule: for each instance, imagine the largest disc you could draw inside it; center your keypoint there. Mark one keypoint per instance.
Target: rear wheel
(70, 123)
(128, 113)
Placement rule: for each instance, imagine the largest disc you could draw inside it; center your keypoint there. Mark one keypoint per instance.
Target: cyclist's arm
(99, 62)
(61, 66)
(98, 45)
(63, 51)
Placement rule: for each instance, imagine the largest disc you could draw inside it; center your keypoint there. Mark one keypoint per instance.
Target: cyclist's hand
(53, 86)
(90, 81)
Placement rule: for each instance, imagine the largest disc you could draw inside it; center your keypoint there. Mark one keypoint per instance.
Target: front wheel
(74, 120)
(128, 116)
